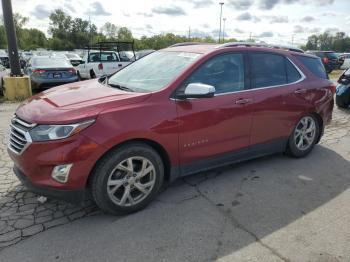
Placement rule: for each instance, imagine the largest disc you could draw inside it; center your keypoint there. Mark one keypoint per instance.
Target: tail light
(72, 71)
(325, 60)
(333, 88)
(100, 66)
(39, 71)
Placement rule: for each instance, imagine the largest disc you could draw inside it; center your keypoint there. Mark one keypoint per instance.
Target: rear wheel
(79, 76)
(304, 137)
(92, 74)
(127, 179)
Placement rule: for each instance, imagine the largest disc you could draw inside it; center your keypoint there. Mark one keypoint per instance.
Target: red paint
(187, 130)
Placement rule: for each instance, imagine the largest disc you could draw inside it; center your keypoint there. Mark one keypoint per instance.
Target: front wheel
(127, 179)
(304, 137)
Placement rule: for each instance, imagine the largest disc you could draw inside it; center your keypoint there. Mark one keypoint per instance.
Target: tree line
(67, 33)
(339, 42)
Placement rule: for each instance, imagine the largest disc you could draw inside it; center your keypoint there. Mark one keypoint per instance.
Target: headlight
(54, 132)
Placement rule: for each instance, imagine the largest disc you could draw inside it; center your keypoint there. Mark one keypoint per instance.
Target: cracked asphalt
(271, 209)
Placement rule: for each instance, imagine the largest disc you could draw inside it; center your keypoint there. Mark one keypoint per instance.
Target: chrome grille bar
(19, 136)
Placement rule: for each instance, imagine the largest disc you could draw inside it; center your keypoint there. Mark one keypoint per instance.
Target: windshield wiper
(124, 88)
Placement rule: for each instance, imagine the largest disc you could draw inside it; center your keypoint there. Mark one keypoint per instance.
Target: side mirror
(81, 62)
(197, 90)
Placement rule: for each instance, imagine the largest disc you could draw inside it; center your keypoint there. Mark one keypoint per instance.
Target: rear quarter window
(314, 65)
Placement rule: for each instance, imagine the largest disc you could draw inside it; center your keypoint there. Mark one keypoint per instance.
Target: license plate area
(56, 75)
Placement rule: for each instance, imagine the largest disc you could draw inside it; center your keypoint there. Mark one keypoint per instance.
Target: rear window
(50, 62)
(314, 65)
(103, 57)
(331, 55)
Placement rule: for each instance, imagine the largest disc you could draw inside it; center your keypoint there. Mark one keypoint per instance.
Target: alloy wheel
(131, 181)
(305, 132)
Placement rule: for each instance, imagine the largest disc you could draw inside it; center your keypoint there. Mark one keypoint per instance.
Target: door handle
(300, 91)
(243, 101)
(120, 65)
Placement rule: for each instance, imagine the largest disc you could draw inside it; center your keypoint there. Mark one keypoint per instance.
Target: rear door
(210, 127)
(278, 97)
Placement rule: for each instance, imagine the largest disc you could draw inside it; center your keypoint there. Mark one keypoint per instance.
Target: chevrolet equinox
(177, 111)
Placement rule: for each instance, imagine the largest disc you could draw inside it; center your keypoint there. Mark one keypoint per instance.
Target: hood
(75, 102)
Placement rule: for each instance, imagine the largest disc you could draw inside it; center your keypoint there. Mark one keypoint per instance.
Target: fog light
(61, 173)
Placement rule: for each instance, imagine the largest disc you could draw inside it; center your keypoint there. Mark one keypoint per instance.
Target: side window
(224, 72)
(314, 65)
(293, 74)
(268, 70)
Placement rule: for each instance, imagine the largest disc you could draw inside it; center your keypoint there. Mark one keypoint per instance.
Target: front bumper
(76, 196)
(38, 160)
(37, 81)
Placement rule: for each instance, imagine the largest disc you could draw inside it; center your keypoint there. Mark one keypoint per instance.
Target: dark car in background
(342, 97)
(45, 71)
(329, 59)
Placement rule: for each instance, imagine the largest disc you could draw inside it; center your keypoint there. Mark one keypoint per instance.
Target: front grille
(19, 135)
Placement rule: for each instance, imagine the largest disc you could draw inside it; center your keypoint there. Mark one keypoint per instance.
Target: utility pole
(221, 4)
(189, 34)
(292, 39)
(11, 38)
(223, 30)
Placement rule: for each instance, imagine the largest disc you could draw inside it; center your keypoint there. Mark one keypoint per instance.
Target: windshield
(154, 71)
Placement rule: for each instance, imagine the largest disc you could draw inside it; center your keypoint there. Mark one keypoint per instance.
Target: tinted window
(224, 72)
(314, 65)
(331, 55)
(268, 70)
(292, 73)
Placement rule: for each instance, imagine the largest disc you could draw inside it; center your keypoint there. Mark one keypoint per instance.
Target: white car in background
(346, 63)
(3, 72)
(98, 63)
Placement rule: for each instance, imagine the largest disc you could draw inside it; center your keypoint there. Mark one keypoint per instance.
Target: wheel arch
(320, 125)
(153, 144)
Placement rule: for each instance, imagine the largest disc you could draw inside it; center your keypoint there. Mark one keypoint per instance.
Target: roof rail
(187, 43)
(252, 44)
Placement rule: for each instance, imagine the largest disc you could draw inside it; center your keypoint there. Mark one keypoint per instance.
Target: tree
(110, 31)
(124, 34)
(68, 33)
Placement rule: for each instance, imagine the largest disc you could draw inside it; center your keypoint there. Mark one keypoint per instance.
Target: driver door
(212, 129)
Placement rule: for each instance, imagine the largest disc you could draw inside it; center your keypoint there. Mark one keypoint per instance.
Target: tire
(116, 190)
(79, 76)
(298, 149)
(2, 87)
(92, 74)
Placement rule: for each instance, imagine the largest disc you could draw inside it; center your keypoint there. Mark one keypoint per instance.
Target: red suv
(177, 111)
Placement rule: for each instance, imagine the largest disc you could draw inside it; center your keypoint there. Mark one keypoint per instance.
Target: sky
(272, 21)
